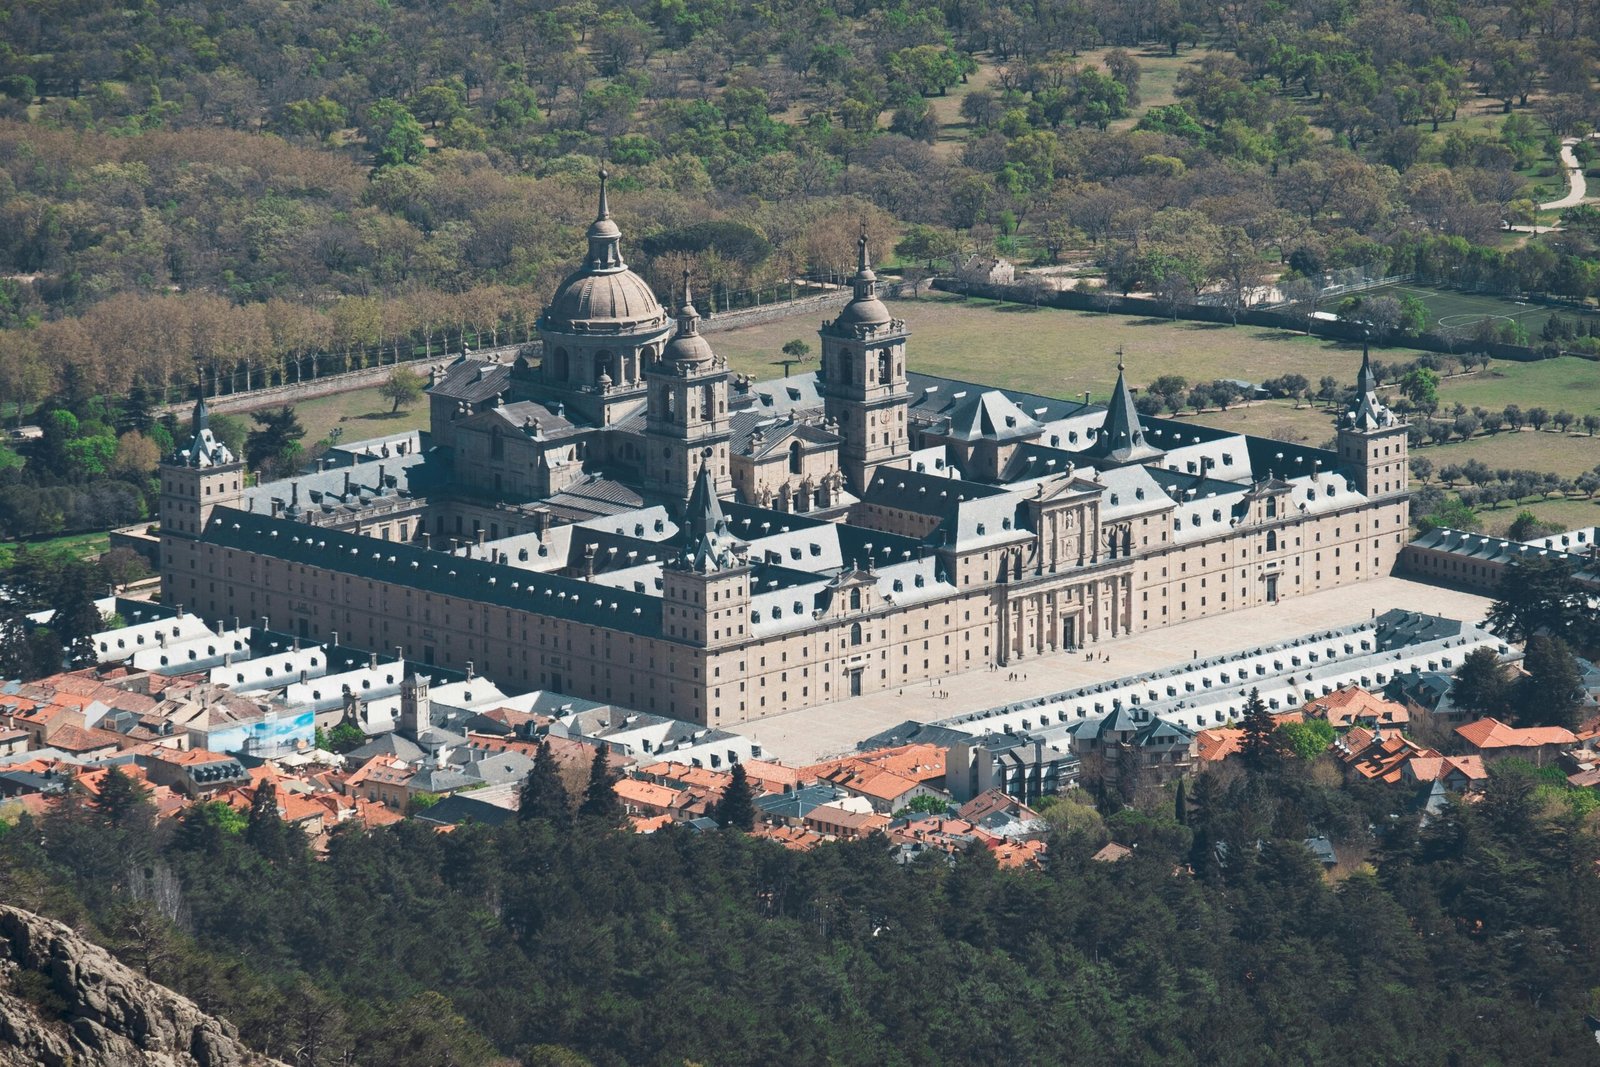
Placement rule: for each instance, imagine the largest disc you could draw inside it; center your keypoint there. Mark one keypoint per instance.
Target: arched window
(1272, 540)
(855, 599)
(796, 466)
(855, 633)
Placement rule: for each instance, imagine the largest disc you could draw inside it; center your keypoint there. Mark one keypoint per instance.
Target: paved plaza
(812, 734)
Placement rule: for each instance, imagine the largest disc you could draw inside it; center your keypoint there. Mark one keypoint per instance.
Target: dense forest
(1471, 938)
(245, 184)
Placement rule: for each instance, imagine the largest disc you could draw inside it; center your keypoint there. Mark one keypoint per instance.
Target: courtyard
(806, 736)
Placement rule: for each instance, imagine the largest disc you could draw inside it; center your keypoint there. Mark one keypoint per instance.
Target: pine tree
(1479, 684)
(1180, 806)
(265, 831)
(76, 619)
(1258, 748)
(543, 794)
(1548, 696)
(600, 798)
(737, 807)
(122, 802)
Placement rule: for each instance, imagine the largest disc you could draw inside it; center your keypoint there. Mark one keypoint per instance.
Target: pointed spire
(688, 316)
(605, 239)
(1369, 413)
(703, 516)
(1121, 437)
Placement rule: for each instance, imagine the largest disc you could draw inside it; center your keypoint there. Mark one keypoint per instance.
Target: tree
(1307, 739)
(600, 799)
(277, 441)
(76, 619)
(265, 831)
(393, 134)
(122, 803)
(404, 387)
(543, 795)
(1479, 684)
(1421, 386)
(1180, 804)
(1538, 595)
(1258, 748)
(796, 350)
(737, 808)
(1550, 692)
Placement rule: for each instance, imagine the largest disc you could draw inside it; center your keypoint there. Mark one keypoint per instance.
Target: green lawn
(1565, 454)
(1567, 383)
(1566, 514)
(84, 546)
(361, 412)
(1062, 353)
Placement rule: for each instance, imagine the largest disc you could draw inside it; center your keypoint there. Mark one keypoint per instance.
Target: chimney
(469, 670)
(227, 659)
(265, 624)
(427, 540)
(180, 611)
(333, 639)
(372, 660)
(482, 535)
(347, 482)
(302, 677)
(236, 623)
(277, 506)
(383, 481)
(400, 653)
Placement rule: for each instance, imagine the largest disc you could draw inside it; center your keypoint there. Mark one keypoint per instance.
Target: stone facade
(719, 552)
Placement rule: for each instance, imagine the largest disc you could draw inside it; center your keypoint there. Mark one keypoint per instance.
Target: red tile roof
(1489, 733)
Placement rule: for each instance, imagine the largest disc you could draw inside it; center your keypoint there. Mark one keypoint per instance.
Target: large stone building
(618, 517)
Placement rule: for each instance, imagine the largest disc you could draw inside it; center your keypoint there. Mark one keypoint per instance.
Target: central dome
(604, 295)
(618, 300)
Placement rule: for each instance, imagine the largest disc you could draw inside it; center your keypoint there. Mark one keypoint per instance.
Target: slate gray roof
(405, 564)
(924, 494)
(776, 433)
(472, 380)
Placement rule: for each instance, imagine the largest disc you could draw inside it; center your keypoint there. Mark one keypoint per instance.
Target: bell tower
(1372, 441)
(194, 480)
(686, 423)
(863, 379)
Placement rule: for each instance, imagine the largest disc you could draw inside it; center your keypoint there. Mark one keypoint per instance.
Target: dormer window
(981, 529)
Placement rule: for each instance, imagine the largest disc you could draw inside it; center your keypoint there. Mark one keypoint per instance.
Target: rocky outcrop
(65, 1002)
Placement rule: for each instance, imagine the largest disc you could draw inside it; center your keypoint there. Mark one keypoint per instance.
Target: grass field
(362, 413)
(1062, 353)
(1459, 312)
(1568, 383)
(84, 546)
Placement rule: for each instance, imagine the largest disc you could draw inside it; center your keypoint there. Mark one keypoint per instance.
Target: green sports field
(1458, 313)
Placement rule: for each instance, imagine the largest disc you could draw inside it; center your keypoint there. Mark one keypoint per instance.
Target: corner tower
(603, 328)
(863, 379)
(194, 480)
(686, 425)
(1373, 441)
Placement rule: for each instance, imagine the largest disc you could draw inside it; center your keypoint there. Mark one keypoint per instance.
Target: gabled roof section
(990, 415)
(472, 381)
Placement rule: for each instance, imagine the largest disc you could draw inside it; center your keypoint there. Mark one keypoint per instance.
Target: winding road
(1577, 184)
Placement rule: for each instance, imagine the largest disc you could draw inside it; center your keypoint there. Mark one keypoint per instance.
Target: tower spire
(605, 239)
